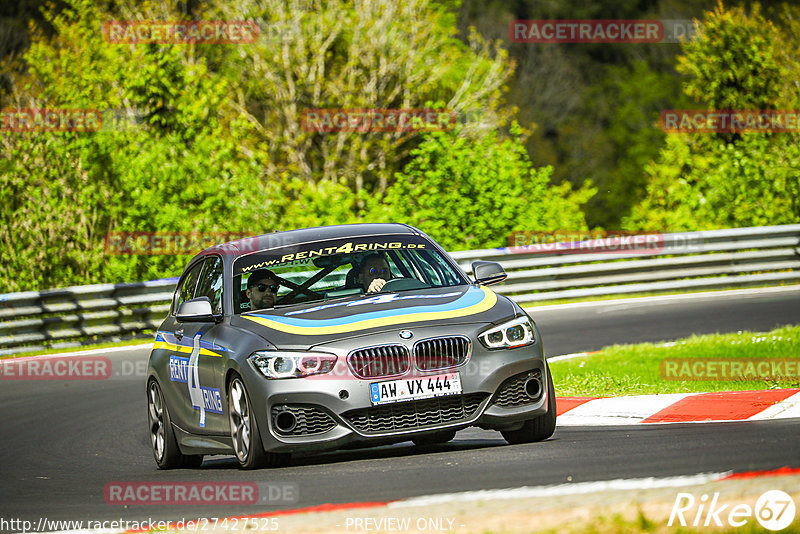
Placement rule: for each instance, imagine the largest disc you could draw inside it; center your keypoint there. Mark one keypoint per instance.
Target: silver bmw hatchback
(352, 335)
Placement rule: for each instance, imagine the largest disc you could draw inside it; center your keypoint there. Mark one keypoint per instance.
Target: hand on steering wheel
(376, 285)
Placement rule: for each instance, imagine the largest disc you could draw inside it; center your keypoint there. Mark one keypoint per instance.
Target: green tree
(715, 180)
(341, 54)
(216, 144)
(176, 168)
(470, 194)
(628, 100)
(736, 61)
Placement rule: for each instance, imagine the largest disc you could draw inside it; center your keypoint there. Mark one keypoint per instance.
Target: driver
(262, 289)
(374, 272)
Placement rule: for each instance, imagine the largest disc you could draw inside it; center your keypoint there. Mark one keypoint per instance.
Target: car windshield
(338, 268)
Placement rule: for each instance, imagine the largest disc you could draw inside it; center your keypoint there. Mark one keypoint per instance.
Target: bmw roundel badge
(406, 334)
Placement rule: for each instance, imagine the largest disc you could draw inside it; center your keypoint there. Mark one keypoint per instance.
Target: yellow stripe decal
(180, 348)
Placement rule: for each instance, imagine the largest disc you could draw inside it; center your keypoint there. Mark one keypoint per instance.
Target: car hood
(304, 326)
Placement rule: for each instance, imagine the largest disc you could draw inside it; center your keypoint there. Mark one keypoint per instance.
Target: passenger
(374, 273)
(262, 289)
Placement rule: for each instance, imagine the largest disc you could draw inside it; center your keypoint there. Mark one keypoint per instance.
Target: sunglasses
(273, 288)
(375, 270)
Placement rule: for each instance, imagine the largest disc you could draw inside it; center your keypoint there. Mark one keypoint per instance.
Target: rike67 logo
(774, 510)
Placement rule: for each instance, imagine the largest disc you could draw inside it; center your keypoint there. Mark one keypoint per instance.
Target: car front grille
(310, 420)
(441, 353)
(415, 414)
(380, 362)
(511, 393)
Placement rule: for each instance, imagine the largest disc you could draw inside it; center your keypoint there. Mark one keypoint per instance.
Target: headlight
(283, 364)
(512, 334)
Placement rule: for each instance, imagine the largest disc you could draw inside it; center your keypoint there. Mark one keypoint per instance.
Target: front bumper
(334, 411)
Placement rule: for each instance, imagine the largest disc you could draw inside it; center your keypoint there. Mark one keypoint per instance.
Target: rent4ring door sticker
(415, 388)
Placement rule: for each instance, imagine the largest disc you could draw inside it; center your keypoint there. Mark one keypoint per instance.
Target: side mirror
(196, 311)
(488, 272)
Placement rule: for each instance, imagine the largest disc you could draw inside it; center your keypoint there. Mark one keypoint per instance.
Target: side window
(240, 302)
(186, 287)
(210, 283)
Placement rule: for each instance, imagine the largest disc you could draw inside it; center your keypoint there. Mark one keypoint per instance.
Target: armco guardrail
(682, 261)
(34, 320)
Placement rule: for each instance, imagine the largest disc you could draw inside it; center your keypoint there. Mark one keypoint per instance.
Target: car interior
(337, 277)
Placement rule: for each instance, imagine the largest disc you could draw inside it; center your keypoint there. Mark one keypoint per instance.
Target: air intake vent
(441, 353)
(451, 409)
(308, 420)
(380, 362)
(513, 393)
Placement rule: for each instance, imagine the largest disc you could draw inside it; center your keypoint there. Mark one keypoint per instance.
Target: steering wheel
(399, 284)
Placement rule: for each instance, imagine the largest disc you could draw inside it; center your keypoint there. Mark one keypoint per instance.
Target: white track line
(789, 407)
(570, 356)
(626, 410)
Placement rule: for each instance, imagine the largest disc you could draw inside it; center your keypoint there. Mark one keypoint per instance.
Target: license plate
(415, 388)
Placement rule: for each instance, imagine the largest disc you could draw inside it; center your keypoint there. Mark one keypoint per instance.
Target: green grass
(636, 369)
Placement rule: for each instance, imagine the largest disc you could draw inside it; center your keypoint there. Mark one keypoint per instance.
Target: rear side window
(186, 287)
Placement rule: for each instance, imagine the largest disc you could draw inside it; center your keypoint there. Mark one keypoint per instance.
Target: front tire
(539, 428)
(245, 435)
(162, 437)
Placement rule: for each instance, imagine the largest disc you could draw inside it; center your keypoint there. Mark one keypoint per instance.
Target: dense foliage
(721, 180)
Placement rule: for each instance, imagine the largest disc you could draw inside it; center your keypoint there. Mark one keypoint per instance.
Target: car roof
(308, 235)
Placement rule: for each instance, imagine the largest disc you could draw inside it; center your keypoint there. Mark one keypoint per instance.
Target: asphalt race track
(63, 441)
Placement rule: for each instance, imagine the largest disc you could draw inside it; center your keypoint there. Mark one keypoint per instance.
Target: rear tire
(247, 445)
(539, 428)
(162, 436)
(435, 439)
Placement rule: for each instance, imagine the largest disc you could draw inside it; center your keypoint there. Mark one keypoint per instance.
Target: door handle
(179, 333)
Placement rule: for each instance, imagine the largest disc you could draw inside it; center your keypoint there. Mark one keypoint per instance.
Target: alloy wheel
(156, 416)
(239, 410)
